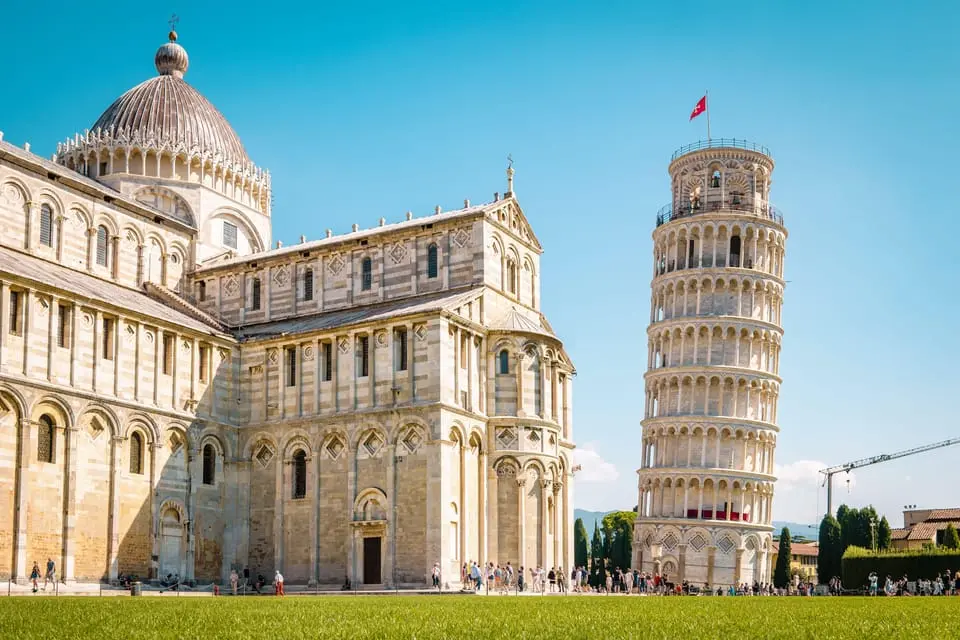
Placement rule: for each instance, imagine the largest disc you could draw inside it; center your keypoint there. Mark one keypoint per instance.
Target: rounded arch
(296, 439)
(172, 504)
(104, 219)
(255, 441)
(361, 434)
(371, 504)
(62, 413)
(105, 414)
(14, 189)
(11, 398)
(145, 423)
(237, 218)
(213, 440)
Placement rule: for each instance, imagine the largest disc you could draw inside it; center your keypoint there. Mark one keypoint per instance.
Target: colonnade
(715, 345)
(705, 448)
(744, 298)
(712, 395)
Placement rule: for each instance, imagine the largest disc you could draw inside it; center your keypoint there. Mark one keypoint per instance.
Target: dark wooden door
(371, 561)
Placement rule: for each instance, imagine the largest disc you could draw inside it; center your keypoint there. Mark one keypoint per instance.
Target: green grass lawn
(480, 617)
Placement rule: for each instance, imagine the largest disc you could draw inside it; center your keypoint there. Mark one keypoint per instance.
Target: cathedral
(180, 395)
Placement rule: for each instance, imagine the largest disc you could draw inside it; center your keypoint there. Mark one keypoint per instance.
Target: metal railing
(749, 206)
(717, 143)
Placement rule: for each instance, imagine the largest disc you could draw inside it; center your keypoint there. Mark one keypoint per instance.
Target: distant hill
(808, 531)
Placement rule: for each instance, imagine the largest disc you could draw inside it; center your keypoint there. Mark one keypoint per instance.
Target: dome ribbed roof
(167, 113)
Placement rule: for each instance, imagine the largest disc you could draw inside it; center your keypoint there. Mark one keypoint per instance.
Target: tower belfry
(712, 384)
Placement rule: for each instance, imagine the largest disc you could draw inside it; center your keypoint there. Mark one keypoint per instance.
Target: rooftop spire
(510, 173)
(171, 58)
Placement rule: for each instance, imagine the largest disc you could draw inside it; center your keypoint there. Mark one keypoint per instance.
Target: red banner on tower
(700, 108)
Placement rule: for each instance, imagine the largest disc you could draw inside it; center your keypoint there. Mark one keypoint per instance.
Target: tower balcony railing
(749, 206)
(718, 143)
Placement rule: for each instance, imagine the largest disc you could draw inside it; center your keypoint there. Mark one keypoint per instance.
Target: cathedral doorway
(371, 561)
(171, 544)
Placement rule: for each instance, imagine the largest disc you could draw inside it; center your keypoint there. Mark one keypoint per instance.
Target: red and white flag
(700, 108)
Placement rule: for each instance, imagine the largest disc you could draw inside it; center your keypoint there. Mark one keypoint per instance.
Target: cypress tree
(884, 537)
(597, 573)
(781, 574)
(579, 543)
(829, 552)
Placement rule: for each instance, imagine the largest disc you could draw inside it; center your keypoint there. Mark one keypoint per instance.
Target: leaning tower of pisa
(710, 424)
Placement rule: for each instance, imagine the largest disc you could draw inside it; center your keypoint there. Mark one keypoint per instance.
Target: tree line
(610, 548)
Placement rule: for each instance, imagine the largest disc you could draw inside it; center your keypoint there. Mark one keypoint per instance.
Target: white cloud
(593, 468)
(596, 485)
(798, 496)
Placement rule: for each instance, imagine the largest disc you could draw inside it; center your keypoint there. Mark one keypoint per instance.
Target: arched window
(102, 246)
(299, 475)
(366, 270)
(735, 251)
(432, 261)
(504, 362)
(512, 276)
(136, 453)
(45, 439)
(209, 464)
(46, 225)
(308, 284)
(202, 290)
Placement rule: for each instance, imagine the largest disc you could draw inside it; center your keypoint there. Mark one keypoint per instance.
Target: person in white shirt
(278, 583)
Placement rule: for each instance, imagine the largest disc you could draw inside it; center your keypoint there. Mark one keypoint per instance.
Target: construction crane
(856, 464)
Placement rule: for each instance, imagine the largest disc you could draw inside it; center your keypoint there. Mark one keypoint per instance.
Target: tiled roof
(799, 548)
(355, 315)
(944, 514)
(927, 530)
(899, 534)
(516, 321)
(92, 288)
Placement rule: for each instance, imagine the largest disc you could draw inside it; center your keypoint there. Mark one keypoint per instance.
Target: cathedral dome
(167, 114)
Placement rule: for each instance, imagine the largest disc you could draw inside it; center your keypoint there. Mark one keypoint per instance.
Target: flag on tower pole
(702, 107)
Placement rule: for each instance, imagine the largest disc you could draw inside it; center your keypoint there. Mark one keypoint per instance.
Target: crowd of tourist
(941, 585)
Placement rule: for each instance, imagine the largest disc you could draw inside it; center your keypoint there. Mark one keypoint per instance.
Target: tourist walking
(35, 576)
(234, 581)
(278, 583)
(436, 575)
(51, 574)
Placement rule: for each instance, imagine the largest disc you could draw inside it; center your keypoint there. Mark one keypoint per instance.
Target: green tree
(598, 573)
(884, 536)
(579, 543)
(950, 538)
(618, 535)
(781, 573)
(829, 552)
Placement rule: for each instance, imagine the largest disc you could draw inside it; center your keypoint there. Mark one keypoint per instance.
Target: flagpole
(706, 95)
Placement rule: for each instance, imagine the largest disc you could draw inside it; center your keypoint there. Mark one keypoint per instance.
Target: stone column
(115, 254)
(315, 520)
(738, 566)
(545, 486)
(20, 570)
(556, 486)
(520, 407)
(522, 512)
(682, 558)
(391, 509)
(52, 313)
(711, 555)
(279, 499)
(154, 511)
(113, 539)
(67, 563)
(91, 244)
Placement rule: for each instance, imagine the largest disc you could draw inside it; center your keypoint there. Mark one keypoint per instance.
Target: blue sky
(363, 110)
